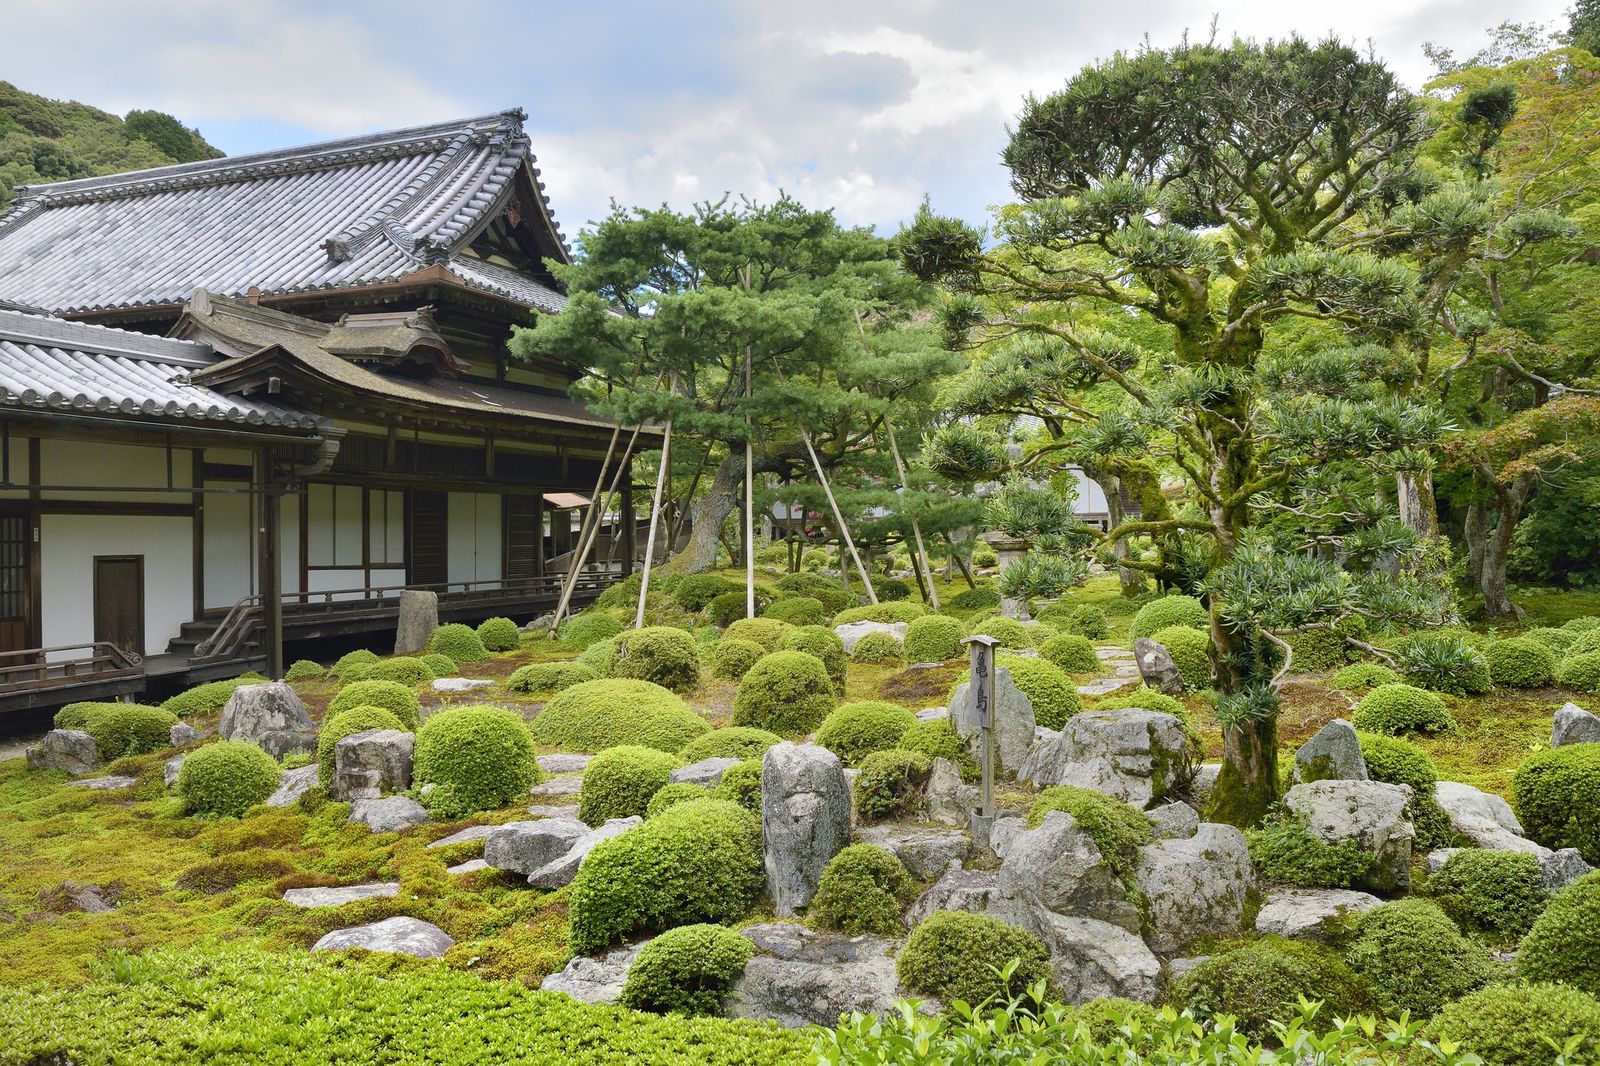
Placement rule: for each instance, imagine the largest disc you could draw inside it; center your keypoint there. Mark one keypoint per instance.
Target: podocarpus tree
(1213, 191)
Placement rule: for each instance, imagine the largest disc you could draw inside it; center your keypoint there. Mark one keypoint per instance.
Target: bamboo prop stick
(588, 532)
(656, 503)
(916, 527)
(838, 516)
(749, 502)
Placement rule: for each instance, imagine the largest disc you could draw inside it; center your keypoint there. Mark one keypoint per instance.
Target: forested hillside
(54, 140)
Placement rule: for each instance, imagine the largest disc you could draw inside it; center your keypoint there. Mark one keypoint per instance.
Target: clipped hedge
(392, 696)
(1398, 708)
(1052, 693)
(543, 679)
(303, 670)
(825, 644)
(586, 628)
(785, 692)
(798, 611)
(620, 781)
(481, 757)
(1581, 672)
(459, 642)
(1414, 958)
(664, 655)
(1011, 633)
(1399, 762)
(1084, 620)
(695, 591)
(980, 599)
(1564, 942)
(954, 955)
(863, 889)
(1518, 662)
(1071, 652)
(1556, 793)
(122, 729)
(207, 698)
(853, 731)
(1499, 893)
(347, 723)
(826, 590)
(729, 742)
(597, 656)
(688, 970)
(1261, 982)
(732, 659)
(741, 784)
(672, 794)
(891, 611)
(890, 782)
(359, 657)
(730, 607)
(499, 634)
(441, 665)
(1512, 1024)
(1364, 675)
(594, 715)
(227, 778)
(1285, 851)
(933, 638)
(1166, 612)
(1557, 640)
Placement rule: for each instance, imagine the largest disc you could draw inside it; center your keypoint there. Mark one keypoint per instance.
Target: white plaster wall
(289, 544)
(68, 545)
(228, 545)
(473, 548)
(91, 463)
(1091, 498)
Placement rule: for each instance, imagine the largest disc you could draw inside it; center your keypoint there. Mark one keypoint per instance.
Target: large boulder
(374, 758)
(1156, 667)
(805, 820)
(71, 750)
(1173, 821)
(1057, 867)
(403, 936)
(1334, 754)
(927, 851)
(1574, 725)
(1370, 813)
(1014, 723)
(1483, 818)
(255, 710)
(974, 891)
(1194, 886)
(524, 847)
(1136, 755)
(597, 980)
(852, 632)
(1310, 913)
(419, 617)
(563, 868)
(1091, 959)
(389, 814)
(950, 800)
(805, 977)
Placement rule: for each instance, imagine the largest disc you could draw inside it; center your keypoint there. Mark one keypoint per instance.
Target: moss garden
(597, 853)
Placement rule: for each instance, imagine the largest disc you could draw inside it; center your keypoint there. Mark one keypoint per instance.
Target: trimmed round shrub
(1585, 642)
(732, 658)
(864, 889)
(890, 589)
(1147, 699)
(933, 638)
(1191, 653)
(742, 784)
(1414, 958)
(975, 599)
(664, 655)
(672, 794)
(1582, 625)
(823, 643)
(1070, 652)
(688, 970)
(1499, 893)
(825, 590)
(730, 607)
(938, 739)
(460, 642)
(1399, 762)
(1507, 1024)
(693, 862)
(597, 656)
(122, 729)
(890, 782)
(767, 632)
(1364, 675)
(1085, 620)
(619, 782)
(359, 657)
(985, 556)
(402, 669)
(347, 723)
(1564, 942)
(891, 611)
(1262, 981)
(624, 594)
(1011, 633)
(1557, 796)
(785, 692)
(392, 696)
(695, 591)
(853, 731)
(542, 679)
(1117, 829)
(483, 756)
(441, 665)
(76, 715)
(499, 634)
(227, 778)
(209, 697)
(303, 670)
(1518, 662)
(729, 742)
(878, 648)
(1557, 640)
(798, 611)
(1398, 708)
(1444, 661)
(1052, 693)
(815, 559)
(955, 955)
(582, 630)
(1166, 612)
(1581, 672)
(594, 715)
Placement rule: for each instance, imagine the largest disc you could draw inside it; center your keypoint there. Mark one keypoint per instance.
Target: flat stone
(419, 617)
(1370, 813)
(805, 820)
(566, 785)
(852, 632)
(1333, 754)
(170, 770)
(706, 772)
(1156, 667)
(524, 847)
(183, 733)
(460, 684)
(594, 980)
(560, 871)
(338, 897)
(553, 810)
(1574, 725)
(1173, 821)
(470, 866)
(253, 710)
(1194, 886)
(1014, 720)
(471, 832)
(563, 763)
(1306, 913)
(294, 784)
(104, 784)
(401, 936)
(933, 714)
(71, 750)
(819, 977)
(1104, 686)
(926, 851)
(389, 814)
(1136, 755)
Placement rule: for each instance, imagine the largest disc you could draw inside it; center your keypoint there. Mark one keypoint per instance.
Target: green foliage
(1564, 942)
(733, 658)
(933, 638)
(586, 629)
(1444, 662)
(1261, 982)
(1398, 708)
(979, 599)
(303, 670)
(767, 632)
(672, 794)
(1581, 672)
(890, 612)
(1038, 575)
(730, 607)
(392, 696)
(664, 655)
(1584, 624)
(359, 657)
(1147, 698)
(1414, 958)
(484, 756)
(785, 692)
(954, 955)
(823, 643)
(347, 723)
(890, 782)
(694, 862)
(878, 648)
(1521, 663)
(1364, 675)
(122, 729)
(620, 781)
(1518, 1024)
(227, 778)
(499, 634)
(1283, 850)
(460, 642)
(1556, 793)
(825, 590)
(853, 731)
(543, 679)
(1084, 620)
(687, 970)
(1190, 650)
(938, 739)
(1070, 652)
(1317, 649)
(890, 589)
(1019, 509)
(1166, 612)
(729, 742)
(624, 594)
(798, 611)
(207, 698)
(1052, 693)
(864, 889)
(1117, 829)
(1499, 893)
(696, 591)
(1399, 762)
(441, 665)
(594, 715)
(1011, 633)
(402, 669)
(1557, 640)
(742, 784)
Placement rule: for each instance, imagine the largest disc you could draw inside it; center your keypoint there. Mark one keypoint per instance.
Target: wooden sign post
(981, 692)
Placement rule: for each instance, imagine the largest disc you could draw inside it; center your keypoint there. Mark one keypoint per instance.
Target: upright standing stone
(1013, 720)
(1156, 667)
(805, 820)
(255, 710)
(384, 753)
(419, 617)
(1334, 754)
(1574, 725)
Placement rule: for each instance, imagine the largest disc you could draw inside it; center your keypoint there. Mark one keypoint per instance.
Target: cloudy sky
(863, 105)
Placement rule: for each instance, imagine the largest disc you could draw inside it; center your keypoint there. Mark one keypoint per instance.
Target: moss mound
(1191, 654)
(227, 778)
(1052, 693)
(589, 627)
(594, 715)
(1581, 672)
(620, 781)
(729, 742)
(1556, 793)
(1117, 829)
(1507, 1024)
(122, 729)
(1498, 893)
(732, 659)
(303, 670)
(441, 665)
(458, 641)
(825, 644)
(1398, 708)
(785, 692)
(954, 955)
(864, 889)
(1364, 675)
(1166, 612)
(402, 670)
(479, 757)
(767, 632)
(742, 785)
(1399, 762)
(1011, 633)
(392, 696)
(359, 657)
(1518, 662)
(1262, 982)
(663, 655)
(855, 730)
(1071, 652)
(695, 591)
(798, 611)
(499, 634)
(878, 648)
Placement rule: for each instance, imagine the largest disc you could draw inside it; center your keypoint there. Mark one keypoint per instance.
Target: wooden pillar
(630, 528)
(269, 579)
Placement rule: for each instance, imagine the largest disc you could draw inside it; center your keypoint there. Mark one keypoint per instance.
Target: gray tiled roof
(49, 364)
(361, 211)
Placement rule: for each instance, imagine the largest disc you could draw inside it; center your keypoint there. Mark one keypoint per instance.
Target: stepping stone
(402, 936)
(1106, 685)
(471, 832)
(553, 810)
(103, 784)
(569, 785)
(339, 896)
(388, 815)
(295, 783)
(470, 866)
(561, 763)
(460, 684)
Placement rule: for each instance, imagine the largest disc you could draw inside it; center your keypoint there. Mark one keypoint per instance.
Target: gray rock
(805, 820)
(1559, 869)
(253, 710)
(1014, 722)
(524, 847)
(1574, 725)
(1483, 818)
(924, 850)
(1194, 886)
(1205, 781)
(338, 897)
(543, 622)
(402, 936)
(1370, 813)
(561, 870)
(183, 733)
(562, 763)
(594, 980)
(852, 632)
(1173, 821)
(1306, 913)
(1436, 858)
(104, 784)
(706, 772)
(352, 785)
(1136, 755)
(1178, 969)
(973, 891)
(1092, 959)
(460, 684)
(71, 750)
(1334, 754)
(389, 814)
(1005, 828)
(1057, 867)
(1156, 667)
(88, 899)
(294, 784)
(1013, 607)
(818, 977)
(468, 867)
(950, 800)
(384, 752)
(553, 810)
(471, 832)
(170, 769)
(933, 714)
(419, 617)
(281, 743)
(565, 785)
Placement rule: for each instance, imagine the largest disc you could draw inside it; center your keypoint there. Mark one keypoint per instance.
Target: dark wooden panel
(430, 524)
(119, 601)
(524, 534)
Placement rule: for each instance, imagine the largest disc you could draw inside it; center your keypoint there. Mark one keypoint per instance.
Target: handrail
(38, 663)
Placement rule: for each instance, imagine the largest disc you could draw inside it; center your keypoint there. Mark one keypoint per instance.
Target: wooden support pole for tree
(838, 516)
(916, 527)
(656, 503)
(589, 531)
(749, 501)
